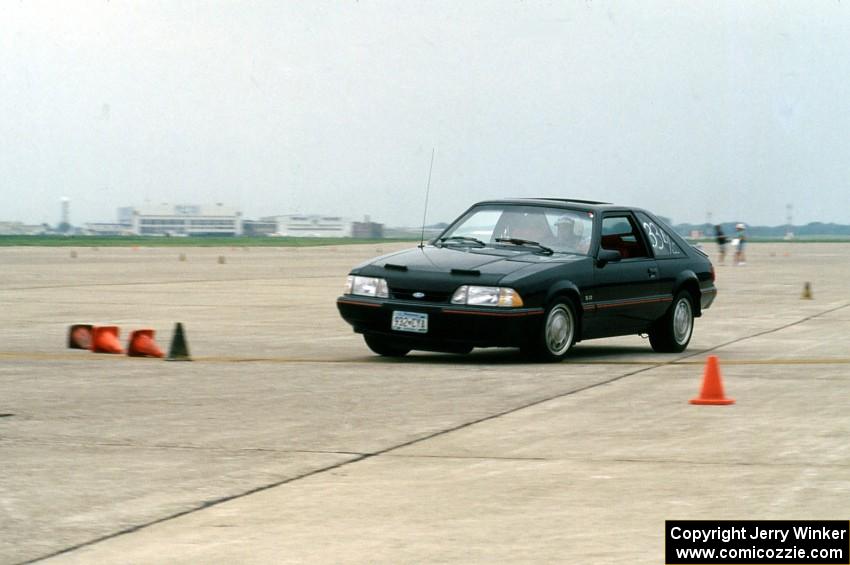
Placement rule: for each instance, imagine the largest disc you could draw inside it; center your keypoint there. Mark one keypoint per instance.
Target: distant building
(125, 215)
(103, 228)
(413, 233)
(258, 227)
(20, 228)
(367, 230)
(183, 220)
(301, 225)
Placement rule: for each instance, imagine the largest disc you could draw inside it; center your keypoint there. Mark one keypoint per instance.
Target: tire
(382, 346)
(557, 334)
(672, 332)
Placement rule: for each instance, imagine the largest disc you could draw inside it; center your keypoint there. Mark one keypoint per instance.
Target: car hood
(480, 265)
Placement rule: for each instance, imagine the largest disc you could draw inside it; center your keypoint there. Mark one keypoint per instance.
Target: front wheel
(382, 346)
(672, 332)
(558, 333)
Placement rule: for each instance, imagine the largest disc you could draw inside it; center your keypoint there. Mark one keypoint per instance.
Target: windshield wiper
(517, 241)
(463, 239)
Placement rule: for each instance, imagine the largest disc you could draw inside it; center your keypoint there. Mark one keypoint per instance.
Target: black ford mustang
(538, 274)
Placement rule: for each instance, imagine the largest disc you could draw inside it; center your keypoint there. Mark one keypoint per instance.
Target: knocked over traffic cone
(712, 386)
(179, 351)
(807, 291)
(104, 339)
(79, 336)
(142, 345)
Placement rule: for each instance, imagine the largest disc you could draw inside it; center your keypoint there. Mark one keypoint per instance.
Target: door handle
(652, 272)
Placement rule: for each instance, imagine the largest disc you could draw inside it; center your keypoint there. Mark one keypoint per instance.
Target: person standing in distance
(721, 242)
(741, 235)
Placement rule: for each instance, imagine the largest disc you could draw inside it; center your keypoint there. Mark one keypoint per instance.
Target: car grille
(430, 295)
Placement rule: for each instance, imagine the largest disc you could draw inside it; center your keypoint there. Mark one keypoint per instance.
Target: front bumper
(448, 324)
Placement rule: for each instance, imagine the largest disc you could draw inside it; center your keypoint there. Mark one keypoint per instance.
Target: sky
(728, 111)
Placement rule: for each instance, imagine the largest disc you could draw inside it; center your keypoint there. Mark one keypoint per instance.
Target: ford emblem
(418, 295)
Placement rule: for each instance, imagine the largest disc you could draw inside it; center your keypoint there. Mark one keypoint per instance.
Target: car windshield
(559, 229)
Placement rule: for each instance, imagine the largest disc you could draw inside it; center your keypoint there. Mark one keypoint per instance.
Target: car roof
(576, 204)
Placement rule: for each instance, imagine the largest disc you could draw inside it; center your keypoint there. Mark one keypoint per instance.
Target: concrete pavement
(288, 441)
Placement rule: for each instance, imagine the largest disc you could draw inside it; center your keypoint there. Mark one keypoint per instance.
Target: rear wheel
(672, 332)
(382, 346)
(558, 333)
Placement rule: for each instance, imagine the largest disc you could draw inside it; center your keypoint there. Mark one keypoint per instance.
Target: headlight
(367, 286)
(486, 296)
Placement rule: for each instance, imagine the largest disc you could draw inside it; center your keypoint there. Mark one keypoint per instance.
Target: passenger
(568, 234)
(722, 240)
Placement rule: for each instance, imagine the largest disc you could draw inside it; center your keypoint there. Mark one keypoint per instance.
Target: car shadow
(510, 356)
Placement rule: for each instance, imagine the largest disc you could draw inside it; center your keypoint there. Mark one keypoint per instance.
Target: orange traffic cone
(79, 336)
(712, 386)
(142, 345)
(104, 339)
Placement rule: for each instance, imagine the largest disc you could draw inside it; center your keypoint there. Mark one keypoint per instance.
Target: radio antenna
(427, 192)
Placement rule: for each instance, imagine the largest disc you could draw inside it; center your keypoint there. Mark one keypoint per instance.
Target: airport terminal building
(313, 225)
(219, 220)
(183, 220)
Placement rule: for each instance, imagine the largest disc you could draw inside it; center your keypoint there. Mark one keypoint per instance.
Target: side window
(620, 233)
(662, 244)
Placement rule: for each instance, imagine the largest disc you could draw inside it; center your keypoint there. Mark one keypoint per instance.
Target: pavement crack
(647, 461)
(177, 447)
(471, 457)
(772, 330)
(155, 283)
(771, 463)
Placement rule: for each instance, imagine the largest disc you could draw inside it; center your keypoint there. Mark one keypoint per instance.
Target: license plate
(410, 322)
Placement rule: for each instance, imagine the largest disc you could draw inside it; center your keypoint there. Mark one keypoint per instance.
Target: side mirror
(606, 256)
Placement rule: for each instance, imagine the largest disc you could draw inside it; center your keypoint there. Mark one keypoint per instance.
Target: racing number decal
(658, 238)
(648, 228)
